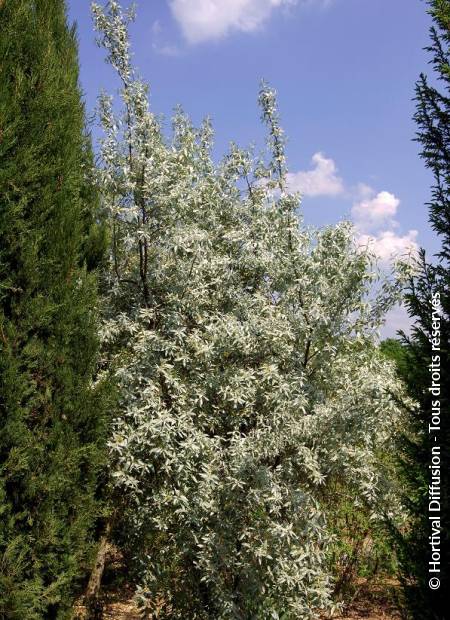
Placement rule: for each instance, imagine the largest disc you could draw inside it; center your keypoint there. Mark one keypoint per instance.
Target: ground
(374, 601)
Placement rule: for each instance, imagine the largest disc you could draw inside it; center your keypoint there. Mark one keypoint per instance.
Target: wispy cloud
(159, 45)
(202, 20)
(396, 319)
(321, 180)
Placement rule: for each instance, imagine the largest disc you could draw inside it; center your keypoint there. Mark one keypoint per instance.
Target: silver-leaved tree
(243, 345)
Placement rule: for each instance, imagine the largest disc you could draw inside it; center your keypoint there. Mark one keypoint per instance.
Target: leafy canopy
(243, 343)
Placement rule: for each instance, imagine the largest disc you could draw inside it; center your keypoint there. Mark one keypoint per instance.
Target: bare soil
(118, 605)
(372, 601)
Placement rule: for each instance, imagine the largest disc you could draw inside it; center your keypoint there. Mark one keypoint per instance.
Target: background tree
(52, 418)
(251, 389)
(396, 351)
(433, 280)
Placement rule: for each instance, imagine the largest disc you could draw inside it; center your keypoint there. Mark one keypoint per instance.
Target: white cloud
(375, 211)
(322, 180)
(201, 20)
(388, 245)
(374, 218)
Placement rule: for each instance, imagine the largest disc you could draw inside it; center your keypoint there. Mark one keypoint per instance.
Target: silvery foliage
(243, 345)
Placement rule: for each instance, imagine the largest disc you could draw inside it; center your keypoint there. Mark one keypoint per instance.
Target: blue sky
(344, 71)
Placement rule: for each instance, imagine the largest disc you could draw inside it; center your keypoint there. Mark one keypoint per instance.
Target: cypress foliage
(433, 282)
(52, 419)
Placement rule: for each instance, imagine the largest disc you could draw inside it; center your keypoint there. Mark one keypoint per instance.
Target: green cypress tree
(432, 283)
(52, 416)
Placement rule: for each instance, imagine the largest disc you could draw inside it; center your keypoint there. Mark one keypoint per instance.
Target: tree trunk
(93, 604)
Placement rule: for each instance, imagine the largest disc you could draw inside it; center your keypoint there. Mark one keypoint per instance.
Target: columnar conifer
(51, 416)
(428, 301)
